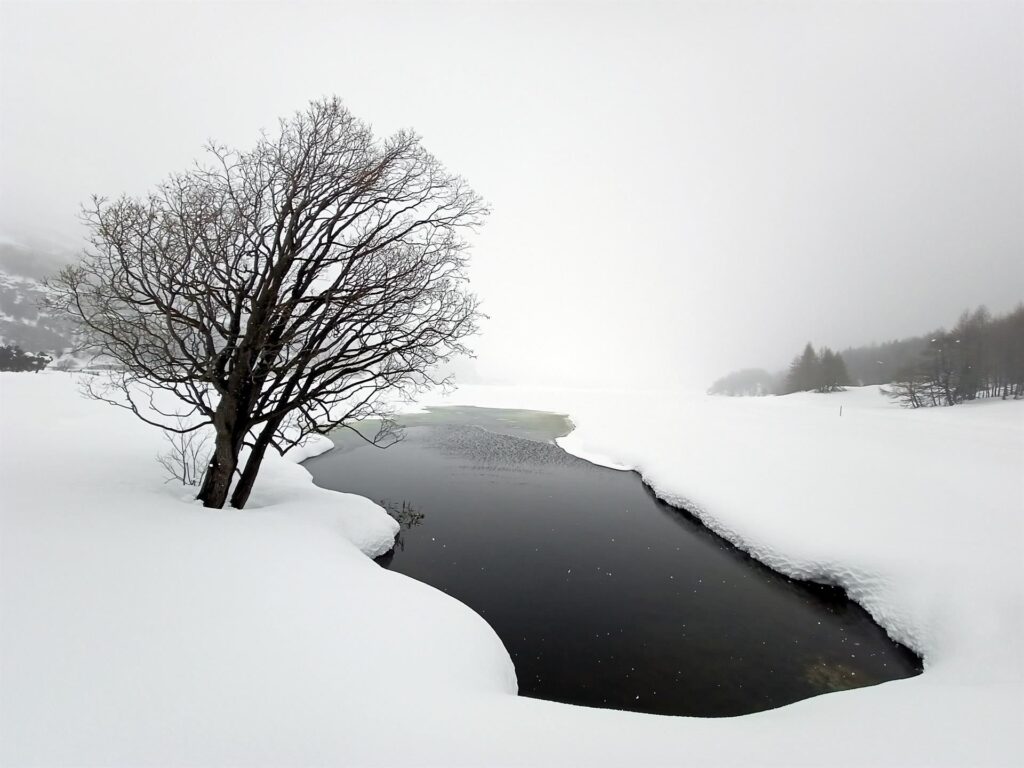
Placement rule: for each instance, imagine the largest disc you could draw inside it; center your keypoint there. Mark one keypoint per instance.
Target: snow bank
(572, 443)
(314, 445)
(137, 628)
(140, 628)
(918, 515)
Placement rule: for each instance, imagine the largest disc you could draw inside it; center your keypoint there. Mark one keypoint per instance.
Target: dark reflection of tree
(407, 517)
(405, 513)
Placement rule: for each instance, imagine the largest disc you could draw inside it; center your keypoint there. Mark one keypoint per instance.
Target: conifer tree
(803, 371)
(832, 375)
(840, 375)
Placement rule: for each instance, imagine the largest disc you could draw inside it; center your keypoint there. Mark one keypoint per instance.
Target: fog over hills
(22, 268)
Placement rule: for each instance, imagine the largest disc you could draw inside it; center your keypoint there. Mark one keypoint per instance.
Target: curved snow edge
(856, 586)
(313, 446)
(572, 445)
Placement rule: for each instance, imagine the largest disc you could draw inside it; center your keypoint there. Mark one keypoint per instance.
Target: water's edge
(775, 562)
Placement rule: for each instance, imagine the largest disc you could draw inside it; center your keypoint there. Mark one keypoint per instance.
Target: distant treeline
(982, 356)
(882, 363)
(820, 372)
(14, 358)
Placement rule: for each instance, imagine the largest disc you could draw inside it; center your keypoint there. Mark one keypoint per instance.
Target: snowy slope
(137, 628)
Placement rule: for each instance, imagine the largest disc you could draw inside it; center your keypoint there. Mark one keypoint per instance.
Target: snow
(137, 628)
(312, 446)
(571, 443)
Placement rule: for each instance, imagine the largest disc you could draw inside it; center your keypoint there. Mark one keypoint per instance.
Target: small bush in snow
(187, 457)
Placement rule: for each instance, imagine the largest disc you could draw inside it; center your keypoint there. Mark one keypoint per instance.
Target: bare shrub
(187, 456)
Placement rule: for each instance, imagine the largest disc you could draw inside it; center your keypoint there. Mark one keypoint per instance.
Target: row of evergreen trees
(820, 372)
(809, 371)
(982, 356)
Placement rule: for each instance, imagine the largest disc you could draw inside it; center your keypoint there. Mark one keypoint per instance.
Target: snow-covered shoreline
(137, 628)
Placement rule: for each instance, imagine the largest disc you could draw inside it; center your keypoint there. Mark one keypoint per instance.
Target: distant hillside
(21, 321)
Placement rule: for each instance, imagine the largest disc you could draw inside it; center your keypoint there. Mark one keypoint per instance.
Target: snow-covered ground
(137, 628)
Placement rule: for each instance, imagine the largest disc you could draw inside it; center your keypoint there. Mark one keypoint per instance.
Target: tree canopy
(982, 356)
(279, 291)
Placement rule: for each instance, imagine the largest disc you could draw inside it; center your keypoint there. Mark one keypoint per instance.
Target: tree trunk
(252, 468)
(217, 480)
(220, 472)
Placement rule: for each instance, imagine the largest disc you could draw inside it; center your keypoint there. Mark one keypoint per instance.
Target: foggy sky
(677, 190)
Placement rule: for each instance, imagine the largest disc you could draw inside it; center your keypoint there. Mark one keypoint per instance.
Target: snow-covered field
(137, 628)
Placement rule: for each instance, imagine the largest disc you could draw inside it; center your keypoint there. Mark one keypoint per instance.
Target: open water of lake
(602, 594)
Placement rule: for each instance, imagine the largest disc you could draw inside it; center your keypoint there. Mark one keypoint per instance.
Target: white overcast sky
(678, 189)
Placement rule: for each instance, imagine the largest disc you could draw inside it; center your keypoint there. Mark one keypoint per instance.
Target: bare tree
(910, 389)
(279, 292)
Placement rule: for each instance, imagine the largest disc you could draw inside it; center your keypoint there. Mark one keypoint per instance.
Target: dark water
(603, 595)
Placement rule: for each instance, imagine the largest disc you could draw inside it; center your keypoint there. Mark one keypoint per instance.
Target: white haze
(678, 190)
